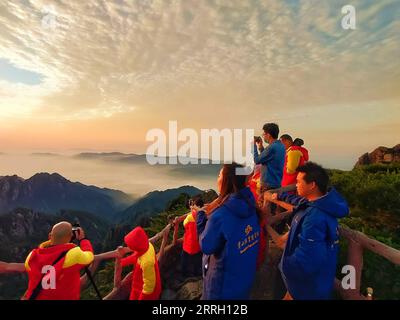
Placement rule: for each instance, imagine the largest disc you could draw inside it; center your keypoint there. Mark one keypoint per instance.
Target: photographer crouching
(54, 267)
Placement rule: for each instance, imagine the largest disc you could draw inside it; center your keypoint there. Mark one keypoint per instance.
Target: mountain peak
(48, 176)
(13, 178)
(51, 192)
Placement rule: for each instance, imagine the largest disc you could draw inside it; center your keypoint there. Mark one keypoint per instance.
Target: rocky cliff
(382, 155)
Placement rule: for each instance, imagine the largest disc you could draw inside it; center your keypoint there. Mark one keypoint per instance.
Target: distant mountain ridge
(205, 170)
(120, 156)
(50, 193)
(153, 203)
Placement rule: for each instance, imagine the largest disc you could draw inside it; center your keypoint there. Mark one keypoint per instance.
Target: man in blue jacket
(271, 158)
(229, 240)
(308, 263)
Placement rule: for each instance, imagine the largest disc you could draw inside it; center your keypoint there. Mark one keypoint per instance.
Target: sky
(98, 75)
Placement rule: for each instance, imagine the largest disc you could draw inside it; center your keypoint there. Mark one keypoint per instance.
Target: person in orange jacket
(57, 264)
(191, 252)
(146, 280)
(295, 157)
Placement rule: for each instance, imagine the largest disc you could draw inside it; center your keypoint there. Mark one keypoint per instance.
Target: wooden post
(355, 259)
(164, 242)
(176, 229)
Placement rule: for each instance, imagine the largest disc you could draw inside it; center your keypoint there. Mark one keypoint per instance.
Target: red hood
(46, 254)
(137, 240)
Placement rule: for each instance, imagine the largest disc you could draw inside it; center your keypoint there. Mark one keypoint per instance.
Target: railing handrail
(391, 254)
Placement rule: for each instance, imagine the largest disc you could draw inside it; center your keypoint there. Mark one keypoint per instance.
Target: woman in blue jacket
(229, 235)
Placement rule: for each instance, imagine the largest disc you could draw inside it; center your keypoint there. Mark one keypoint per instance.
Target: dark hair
(198, 201)
(272, 129)
(231, 183)
(286, 137)
(315, 173)
(298, 142)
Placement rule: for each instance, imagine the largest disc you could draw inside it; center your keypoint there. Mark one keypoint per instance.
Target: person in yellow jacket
(294, 158)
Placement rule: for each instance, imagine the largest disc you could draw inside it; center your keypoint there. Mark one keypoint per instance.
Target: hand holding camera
(77, 232)
(258, 141)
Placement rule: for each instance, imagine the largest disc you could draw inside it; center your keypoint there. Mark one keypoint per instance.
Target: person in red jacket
(61, 280)
(295, 157)
(146, 280)
(299, 143)
(191, 252)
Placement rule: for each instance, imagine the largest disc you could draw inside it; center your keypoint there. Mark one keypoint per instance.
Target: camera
(75, 231)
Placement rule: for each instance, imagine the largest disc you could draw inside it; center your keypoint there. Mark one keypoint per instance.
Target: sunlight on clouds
(103, 59)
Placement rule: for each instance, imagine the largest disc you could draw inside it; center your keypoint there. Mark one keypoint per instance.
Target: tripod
(89, 275)
(75, 230)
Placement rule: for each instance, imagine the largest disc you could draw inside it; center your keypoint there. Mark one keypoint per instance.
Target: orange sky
(100, 75)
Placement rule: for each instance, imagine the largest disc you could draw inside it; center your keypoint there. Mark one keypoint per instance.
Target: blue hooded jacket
(229, 240)
(308, 264)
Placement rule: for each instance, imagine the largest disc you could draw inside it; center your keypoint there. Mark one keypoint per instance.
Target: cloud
(104, 59)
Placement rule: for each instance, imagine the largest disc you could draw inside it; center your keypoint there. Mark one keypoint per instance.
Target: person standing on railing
(57, 264)
(309, 260)
(146, 280)
(229, 235)
(191, 252)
